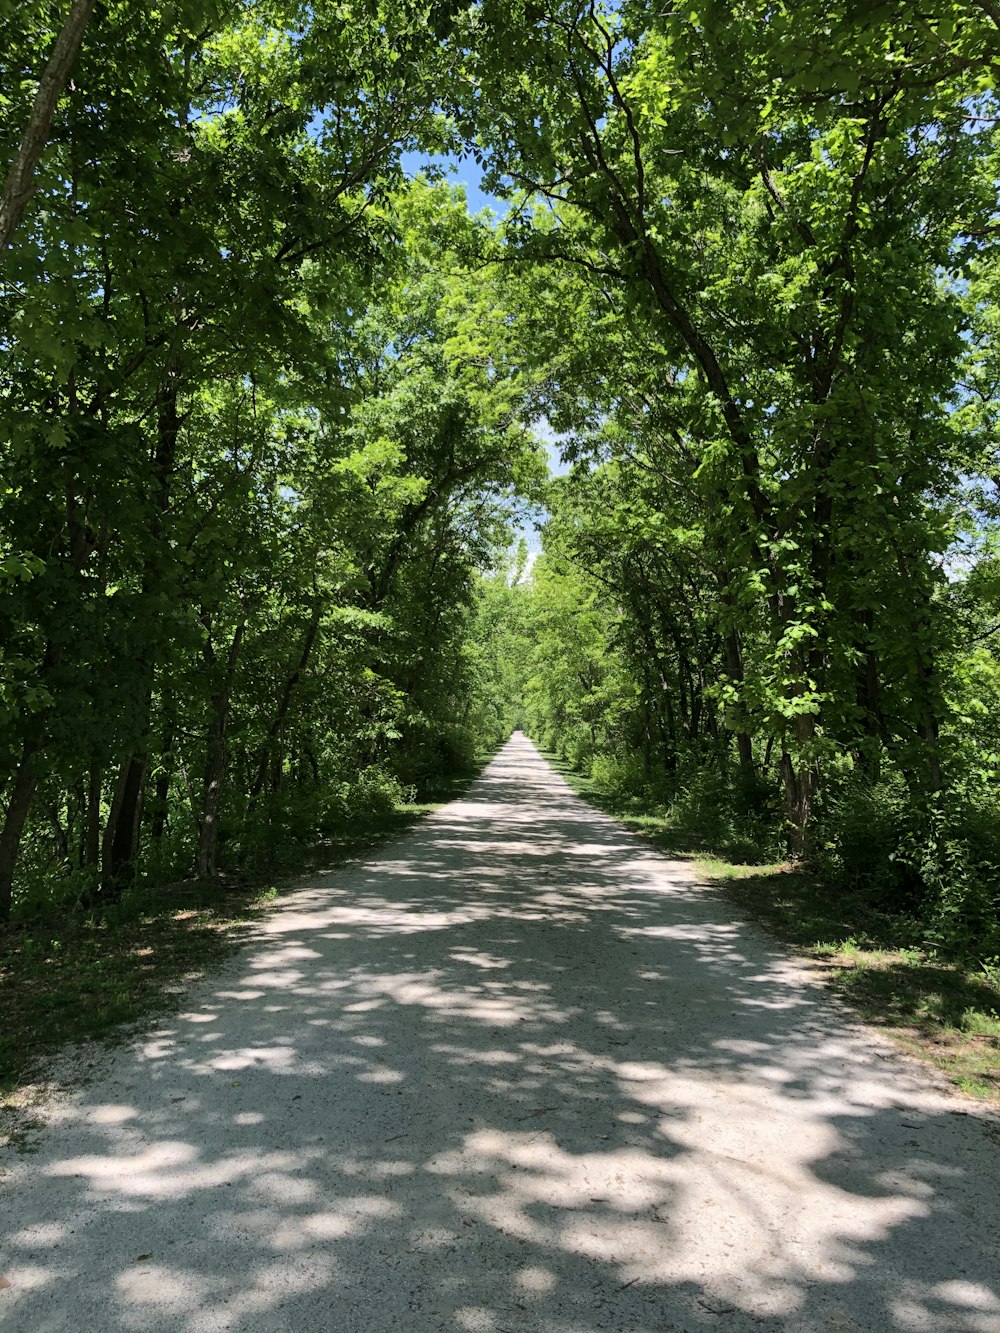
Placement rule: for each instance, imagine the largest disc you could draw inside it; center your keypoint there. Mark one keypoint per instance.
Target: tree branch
(990, 9)
(19, 185)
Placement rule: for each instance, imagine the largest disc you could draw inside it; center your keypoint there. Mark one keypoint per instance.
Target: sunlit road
(516, 1073)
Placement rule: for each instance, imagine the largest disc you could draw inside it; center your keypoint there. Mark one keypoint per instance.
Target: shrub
(936, 860)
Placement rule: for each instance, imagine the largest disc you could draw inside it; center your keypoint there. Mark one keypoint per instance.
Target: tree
(768, 250)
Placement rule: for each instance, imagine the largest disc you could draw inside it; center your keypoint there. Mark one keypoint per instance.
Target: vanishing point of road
(515, 1073)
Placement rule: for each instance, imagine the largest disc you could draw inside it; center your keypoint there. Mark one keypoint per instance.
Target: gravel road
(516, 1073)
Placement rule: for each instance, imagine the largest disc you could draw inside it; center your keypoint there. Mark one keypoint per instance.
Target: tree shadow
(515, 1072)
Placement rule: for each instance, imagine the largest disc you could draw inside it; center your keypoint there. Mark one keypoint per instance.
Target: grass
(68, 977)
(939, 1011)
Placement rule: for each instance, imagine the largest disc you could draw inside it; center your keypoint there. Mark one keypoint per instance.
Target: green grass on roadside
(940, 1012)
(69, 977)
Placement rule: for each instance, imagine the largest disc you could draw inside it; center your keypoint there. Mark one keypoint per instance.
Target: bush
(860, 828)
(937, 861)
(620, 775)
(371, 793)
(957, 862)
(722, 813)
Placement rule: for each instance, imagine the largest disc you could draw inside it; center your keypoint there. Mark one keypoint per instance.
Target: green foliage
(265, 429)
(763, 284)
(255, 446)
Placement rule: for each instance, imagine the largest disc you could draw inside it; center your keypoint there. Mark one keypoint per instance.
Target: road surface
(516, 1073)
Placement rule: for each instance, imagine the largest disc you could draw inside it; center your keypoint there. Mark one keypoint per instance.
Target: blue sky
(460, 171)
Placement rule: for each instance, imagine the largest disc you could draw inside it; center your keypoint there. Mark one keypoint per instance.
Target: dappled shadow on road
(514, 1073)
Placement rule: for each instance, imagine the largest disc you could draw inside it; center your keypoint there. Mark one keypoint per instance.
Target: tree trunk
(683, 681)
(161, 792)
(19, 185)
(670, 752)
(112, 823)
(873, 723)
(62, 834)
(121, 836)
(929, 728)
(798, 803)
(215, 765)
(279, 717)
(91, 850)
(800, 782)
(215, 770)
(25, 781)
(932, 739)
(696, 707)
(744, 746)
(734, 670)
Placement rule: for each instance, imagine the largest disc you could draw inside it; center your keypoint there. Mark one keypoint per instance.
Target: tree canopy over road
(270, 411)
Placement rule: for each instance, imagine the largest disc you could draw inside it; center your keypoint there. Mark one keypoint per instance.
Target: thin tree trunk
(215, 769)
(768, 750)
(696, 707)
(286, 698)
(121, 834)
(92, 827)
(62, 834)
(121, 839)
(685, 707)
(161, 791)
(734, 670)
(23, 790)
(669, 752)
(215, 765)
(19, 185)
(873, 723)
(112, 823)
(647, 695)
(932, 739)
(929, 728)
(800, 782)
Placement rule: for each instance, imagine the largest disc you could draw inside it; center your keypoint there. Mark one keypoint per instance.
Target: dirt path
(515, 1074)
